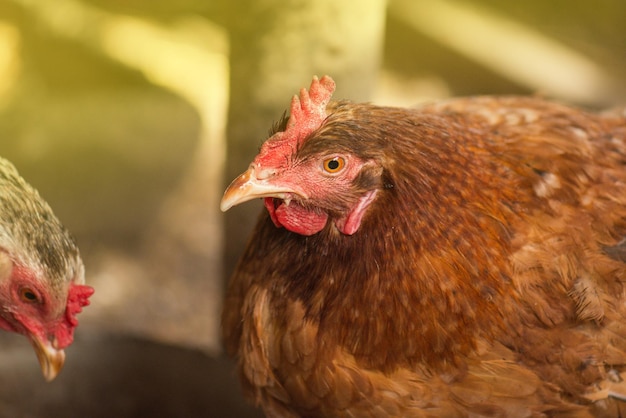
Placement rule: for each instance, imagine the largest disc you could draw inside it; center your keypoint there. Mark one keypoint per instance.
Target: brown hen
(460, 259)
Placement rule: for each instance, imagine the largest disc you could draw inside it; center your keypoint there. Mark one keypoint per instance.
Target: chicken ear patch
(351, 223)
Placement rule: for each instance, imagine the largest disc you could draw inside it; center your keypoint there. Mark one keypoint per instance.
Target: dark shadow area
(117, 376)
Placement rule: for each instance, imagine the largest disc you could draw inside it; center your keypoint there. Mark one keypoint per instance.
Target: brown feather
(486, 278)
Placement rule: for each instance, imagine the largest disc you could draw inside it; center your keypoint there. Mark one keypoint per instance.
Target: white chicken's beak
(249, 186)
(50, 359)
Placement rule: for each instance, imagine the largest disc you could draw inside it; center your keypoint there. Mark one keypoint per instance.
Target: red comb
(309, 110)
(307, 113)
(77, 298)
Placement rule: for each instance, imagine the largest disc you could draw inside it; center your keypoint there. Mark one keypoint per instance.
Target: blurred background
(131, 116)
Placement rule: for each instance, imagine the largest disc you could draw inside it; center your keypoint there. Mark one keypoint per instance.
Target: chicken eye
(334, 165)
(29, 296)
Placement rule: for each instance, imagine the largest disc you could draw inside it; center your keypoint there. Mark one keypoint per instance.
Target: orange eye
(29, 296)
(334, 165)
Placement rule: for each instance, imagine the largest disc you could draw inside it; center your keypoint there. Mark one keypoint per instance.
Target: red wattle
(295, 217)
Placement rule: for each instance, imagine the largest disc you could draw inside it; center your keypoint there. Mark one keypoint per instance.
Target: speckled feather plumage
(42, 276)
(486, 278)
(32, 232)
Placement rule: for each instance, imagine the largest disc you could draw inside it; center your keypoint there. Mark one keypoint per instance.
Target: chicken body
(41, 273)
(466, 259)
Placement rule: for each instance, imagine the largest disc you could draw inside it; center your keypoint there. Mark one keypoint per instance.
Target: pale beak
(50, 359)
(248, 186)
